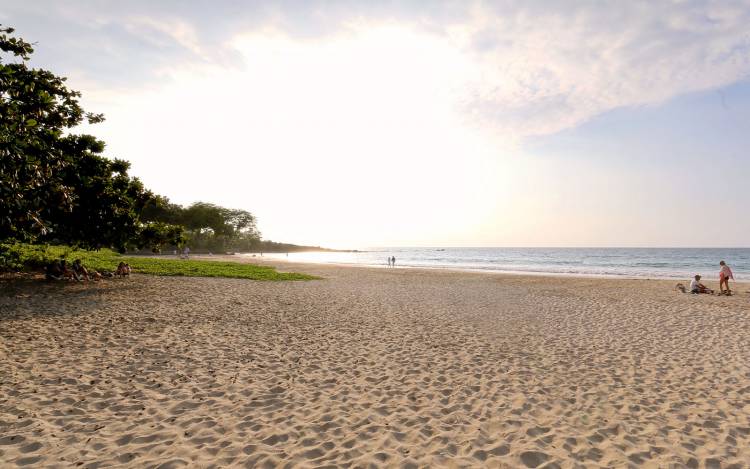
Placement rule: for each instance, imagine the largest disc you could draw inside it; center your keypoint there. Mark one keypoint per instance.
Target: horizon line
(546, 247)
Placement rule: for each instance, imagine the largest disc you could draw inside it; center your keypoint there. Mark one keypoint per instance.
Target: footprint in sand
(12, 440)
(533, 458)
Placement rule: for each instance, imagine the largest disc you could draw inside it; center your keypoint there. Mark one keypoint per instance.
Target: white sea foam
(619, 262)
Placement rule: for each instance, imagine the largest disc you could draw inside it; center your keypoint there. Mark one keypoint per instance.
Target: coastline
(278, 262)
(389, 367)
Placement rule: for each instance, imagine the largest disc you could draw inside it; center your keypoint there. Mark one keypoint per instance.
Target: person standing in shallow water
(724, 275)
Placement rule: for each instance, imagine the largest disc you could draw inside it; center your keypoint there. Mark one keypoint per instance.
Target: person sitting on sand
(67, 272)
(123, 270)
(697, 287)
(79, 270)
(53, 270)
(725, 273)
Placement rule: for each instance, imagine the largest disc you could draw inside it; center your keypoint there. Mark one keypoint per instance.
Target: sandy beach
(373, 368)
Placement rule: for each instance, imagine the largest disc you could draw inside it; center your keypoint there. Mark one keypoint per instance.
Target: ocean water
(680, 263)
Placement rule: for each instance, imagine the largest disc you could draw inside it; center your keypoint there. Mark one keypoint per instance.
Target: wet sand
(373, 367)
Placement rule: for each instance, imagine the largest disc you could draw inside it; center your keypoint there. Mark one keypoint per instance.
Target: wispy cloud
(544, 69)
(538, 67)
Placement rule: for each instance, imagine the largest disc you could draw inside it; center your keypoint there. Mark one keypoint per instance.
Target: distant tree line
(212, 228)
(57, 187)
(207, 227)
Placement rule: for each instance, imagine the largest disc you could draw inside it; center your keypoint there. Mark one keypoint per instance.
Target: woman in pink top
(724, 275)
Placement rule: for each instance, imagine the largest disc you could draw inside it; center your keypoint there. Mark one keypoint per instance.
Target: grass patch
(19, 256)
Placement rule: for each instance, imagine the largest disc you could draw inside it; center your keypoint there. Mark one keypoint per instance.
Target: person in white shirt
(697, 287)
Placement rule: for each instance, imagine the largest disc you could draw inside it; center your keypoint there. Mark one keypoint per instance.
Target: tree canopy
(55, 185)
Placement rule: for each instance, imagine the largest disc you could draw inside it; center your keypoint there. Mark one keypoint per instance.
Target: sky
(427, 123)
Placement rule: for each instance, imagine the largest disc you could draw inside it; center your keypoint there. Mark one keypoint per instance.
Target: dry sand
(373, 367)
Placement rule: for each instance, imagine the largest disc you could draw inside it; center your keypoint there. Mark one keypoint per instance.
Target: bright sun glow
(364, 125)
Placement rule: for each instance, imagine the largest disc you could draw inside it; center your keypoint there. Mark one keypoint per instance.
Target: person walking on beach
(393, 261)
(725, 273)
(388, 260)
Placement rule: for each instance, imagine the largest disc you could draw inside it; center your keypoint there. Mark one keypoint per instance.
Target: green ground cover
(19, 256)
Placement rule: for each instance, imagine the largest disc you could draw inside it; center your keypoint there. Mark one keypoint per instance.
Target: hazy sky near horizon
(424, 123)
